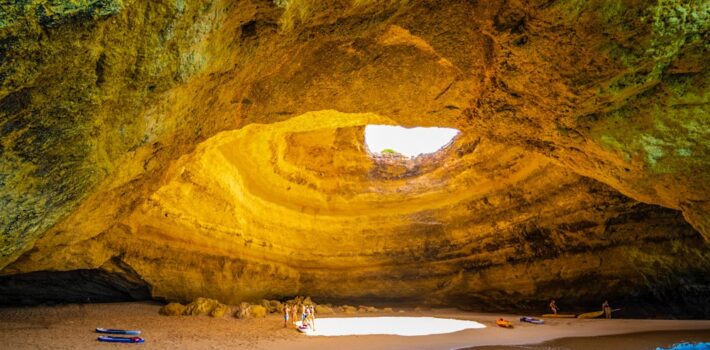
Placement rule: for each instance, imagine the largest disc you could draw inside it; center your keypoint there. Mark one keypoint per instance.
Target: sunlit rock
(213, 148)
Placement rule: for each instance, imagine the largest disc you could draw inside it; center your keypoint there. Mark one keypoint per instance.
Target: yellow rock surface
(214, 148)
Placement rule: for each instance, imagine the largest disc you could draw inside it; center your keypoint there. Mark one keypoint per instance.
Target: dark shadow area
(77, 286)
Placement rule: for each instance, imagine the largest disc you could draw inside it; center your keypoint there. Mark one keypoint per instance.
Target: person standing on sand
(294, 312)
(312, 317)
(286, 312)
(607, 309)
(553, 306)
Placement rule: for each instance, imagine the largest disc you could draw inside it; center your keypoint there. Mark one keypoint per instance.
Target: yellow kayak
(558, 316)
(504, 323)
(593, 314)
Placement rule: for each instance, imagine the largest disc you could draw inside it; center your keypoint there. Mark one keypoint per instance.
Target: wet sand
(72, 327)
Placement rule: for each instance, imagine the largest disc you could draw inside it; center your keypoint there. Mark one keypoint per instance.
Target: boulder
(257, 311)
(243, 311)
(219, 310)
(172, 309)
(363, 308)
(273, 306)
(348, 309)
(324, 310)
(247, 310)
(206, 306)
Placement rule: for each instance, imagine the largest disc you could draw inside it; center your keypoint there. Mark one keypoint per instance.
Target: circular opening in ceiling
(405, 326)
(407, 142)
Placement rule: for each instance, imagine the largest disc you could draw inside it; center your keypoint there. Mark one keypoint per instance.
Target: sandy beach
(72, 327)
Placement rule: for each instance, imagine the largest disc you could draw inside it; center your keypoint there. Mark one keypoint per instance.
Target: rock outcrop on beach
(198, 307)
(214, 148)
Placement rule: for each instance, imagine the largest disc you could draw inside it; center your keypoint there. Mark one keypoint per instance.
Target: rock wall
(215, 148)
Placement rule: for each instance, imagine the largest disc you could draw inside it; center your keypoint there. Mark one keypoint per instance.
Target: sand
(72, 326)
(633, 341)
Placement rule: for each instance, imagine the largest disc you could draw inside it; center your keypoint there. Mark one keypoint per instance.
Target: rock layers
(215, 149)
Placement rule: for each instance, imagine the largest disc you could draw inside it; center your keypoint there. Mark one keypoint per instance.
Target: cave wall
(209, 143)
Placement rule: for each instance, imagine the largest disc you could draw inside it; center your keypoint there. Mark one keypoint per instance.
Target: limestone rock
(243, 311)
(272, 306)
(207, 307)
(172, 309)
(348, 309)
(324, 310)
(363, 308)
(219, 310)
(257, 311)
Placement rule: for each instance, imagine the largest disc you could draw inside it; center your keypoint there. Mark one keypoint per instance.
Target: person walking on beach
(286, 314)
(553, 306)
(607, 309)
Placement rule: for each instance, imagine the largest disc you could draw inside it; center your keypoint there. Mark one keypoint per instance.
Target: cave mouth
(395, 140)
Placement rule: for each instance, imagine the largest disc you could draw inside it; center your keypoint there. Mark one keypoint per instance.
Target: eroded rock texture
(215, 148)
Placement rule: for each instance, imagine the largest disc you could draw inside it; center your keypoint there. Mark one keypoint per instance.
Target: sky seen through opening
(407, 141)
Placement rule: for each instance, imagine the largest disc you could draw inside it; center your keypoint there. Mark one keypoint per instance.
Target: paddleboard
(112, 339)
(116, 331)
(558, 316)
(593, 314)
(533, 320)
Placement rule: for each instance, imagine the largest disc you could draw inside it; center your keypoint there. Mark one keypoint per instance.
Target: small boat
(116, 331)
(504, 323)
(532, 320)
(303, 328)
(112, 339)
(593, 314)
(559, 316)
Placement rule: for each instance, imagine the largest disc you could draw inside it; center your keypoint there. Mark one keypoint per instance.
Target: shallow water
(634, 341)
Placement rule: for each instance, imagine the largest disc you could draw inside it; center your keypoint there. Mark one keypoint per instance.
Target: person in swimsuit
(286, 314)
(294, 311)
(312, 317)
(553, 307)
(607, 309)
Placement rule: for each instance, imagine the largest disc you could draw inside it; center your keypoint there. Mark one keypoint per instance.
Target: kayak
(533, 320)
(116, 331)
(504, 323)
(593, 314)
(112, 339)
(558, 316)
(303, 329)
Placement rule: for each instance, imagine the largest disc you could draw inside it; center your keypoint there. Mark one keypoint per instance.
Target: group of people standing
(300, 312)
(605, 307)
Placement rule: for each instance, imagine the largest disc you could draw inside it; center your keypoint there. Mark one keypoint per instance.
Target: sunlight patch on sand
(406, 326)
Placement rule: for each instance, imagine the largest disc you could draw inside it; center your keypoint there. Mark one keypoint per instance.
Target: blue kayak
(533, 320)
(116, 331)
(112, 339)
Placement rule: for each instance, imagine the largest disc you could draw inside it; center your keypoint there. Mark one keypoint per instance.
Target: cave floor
(71, 327)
